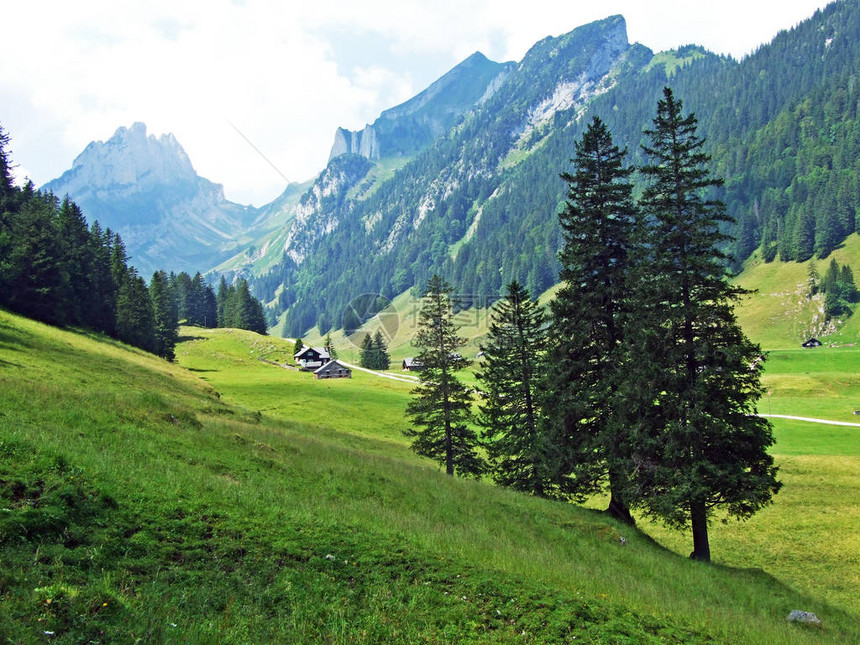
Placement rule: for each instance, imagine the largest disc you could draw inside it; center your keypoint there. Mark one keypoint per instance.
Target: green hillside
(780, 315)
(231, 500)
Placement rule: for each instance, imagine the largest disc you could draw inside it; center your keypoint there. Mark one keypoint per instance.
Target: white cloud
(274, 70)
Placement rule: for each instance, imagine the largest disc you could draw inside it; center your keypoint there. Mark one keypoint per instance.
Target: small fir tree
(165, 315)
(510, 382)
(381, 358)
(366, 356)
(813, 279)
(328, 345)
(135, 319)
(441, 408)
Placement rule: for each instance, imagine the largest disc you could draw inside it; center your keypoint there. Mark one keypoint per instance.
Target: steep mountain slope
(146, 189)
(393, 237)
(479, 205)
(412, 126)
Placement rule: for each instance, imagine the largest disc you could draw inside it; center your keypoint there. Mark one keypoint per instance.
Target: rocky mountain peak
(145, 188)
(130, 157)
(412, 126)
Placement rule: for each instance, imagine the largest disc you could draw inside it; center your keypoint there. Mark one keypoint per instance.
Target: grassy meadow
(223, 498)
(230, 500)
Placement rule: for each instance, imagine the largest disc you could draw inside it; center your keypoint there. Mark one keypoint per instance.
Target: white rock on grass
(805, 617)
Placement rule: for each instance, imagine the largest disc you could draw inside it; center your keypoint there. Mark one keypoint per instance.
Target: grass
(780, 314)
(821, 382)
(140, 501)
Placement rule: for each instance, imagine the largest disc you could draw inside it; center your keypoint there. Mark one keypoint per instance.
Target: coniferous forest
(56, 269)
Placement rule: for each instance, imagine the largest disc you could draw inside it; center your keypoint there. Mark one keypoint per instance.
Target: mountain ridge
(146, 189)
(411, 126)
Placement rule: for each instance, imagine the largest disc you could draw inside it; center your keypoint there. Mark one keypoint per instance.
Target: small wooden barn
(412, 365)
(332, 369)
(812, 342)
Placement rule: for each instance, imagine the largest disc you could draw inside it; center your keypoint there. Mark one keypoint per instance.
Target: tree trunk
(617, 506)
(699, 518)
(449, 450)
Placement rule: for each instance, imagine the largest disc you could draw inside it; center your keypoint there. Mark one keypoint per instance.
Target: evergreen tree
(184, 287)
(804, 244)
(7, 186)
(299, 345)
(165, 315)
(380, 352)
(118, 261)
(366, 356)
(209, 307)
(699, 443)
(813, 279)
(135, 319)
(588, 423)
(103, 318)
(441, 407)
(328, 344)
(839, 288)
(250, 310)
(848, 286)
(30, 269)
(831, 276)
(510, 382)
(76, 265)
(221, 299)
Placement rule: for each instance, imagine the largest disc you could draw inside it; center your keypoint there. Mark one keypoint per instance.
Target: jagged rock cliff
(146, 189)
(412, 126)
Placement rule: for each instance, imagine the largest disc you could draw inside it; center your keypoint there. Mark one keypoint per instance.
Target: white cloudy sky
(287, 73)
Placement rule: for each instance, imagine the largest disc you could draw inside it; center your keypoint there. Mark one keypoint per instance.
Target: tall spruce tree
(441, 408)
(510, 380)
(165, 315)
(76, 264)
(366, 358)
(135, 319)
(381, 358)
(699, 444)
(588, 425)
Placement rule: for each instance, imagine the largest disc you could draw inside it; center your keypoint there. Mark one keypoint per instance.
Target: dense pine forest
(56, 269)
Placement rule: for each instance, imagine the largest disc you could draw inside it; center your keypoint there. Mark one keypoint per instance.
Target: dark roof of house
(331, 365)
(319, 350)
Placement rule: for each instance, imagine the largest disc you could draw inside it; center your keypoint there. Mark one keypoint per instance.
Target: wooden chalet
(412, 365)
(812, 342)
(311, 358)
(332, 369)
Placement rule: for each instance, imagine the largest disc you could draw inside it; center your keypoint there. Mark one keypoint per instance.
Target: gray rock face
(411, 126)
(146, 189)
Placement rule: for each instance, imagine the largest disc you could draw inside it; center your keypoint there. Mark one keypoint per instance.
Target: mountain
(478, 206)
(146, 189)
(408, 128)
(394, 233)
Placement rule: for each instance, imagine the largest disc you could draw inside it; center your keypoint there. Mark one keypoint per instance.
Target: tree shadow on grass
(185, 339)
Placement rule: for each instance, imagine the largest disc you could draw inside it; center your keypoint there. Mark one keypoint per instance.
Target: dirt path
(394, 377)
(810, 420)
